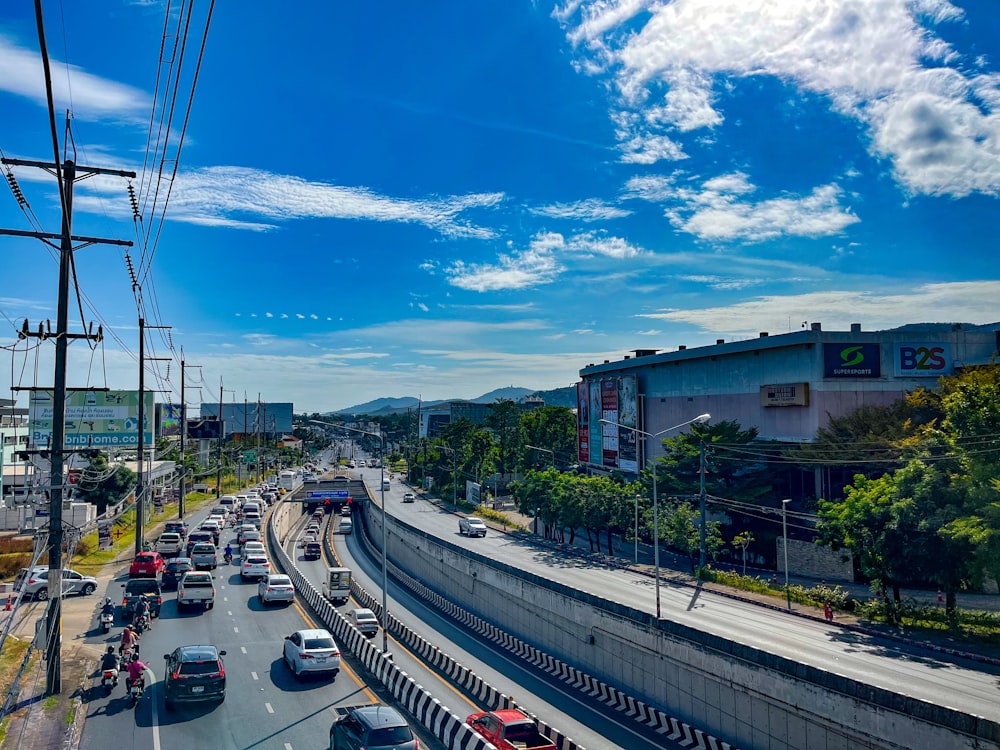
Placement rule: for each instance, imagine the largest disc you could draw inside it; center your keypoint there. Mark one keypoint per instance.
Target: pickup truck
(148, 587)
(169, 544)
(510, 729)
(471, 526)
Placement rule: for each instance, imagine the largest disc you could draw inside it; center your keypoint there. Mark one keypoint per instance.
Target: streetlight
(784, 546)
(656, 511)
(546, 450)
(385, 575)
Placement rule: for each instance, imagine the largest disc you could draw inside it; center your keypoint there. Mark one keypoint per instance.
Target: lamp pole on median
(784, 546)
(656, 512)
(385, 574)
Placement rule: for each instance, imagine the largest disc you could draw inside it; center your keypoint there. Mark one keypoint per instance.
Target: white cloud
(300, 316)
(94, 98)
(591, 209)
(929, 109)
(314, 316)
(423, 307)
(268, 315)
(967, 302)
(597, 243)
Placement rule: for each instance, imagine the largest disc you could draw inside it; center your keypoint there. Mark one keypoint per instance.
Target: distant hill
(557, 397)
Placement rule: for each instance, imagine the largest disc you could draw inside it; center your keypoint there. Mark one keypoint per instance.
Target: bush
(13, 562)
(814, 596)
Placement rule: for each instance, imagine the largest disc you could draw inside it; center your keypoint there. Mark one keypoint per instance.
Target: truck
(169, 544)
(471, 526)
(510, 729)
(337, 584)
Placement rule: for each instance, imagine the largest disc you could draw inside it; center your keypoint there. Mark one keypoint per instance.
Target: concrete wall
(755, 700)
(808, 559)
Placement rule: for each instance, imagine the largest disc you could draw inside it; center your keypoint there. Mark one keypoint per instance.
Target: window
(319, 643)
(390, 736)
(199, 667)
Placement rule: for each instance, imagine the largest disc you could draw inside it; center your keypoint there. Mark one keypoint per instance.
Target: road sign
(117, 532)
(324, 494)
(249, 457)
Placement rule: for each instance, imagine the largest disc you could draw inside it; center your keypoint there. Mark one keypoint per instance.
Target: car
(193, 673)
(351, 465)
(147, 587)
(361, 463)
(35, 582)
(169, 544)
(311, 650)
(312, 528)
(252, 517)
(230, 502)
(221, 510)
(317, 516)
(147, 565)
(313, 551)
(196, 587)
(249, 536)
(204, 555)
(306, 539)
(275, 588)
(472, 526)
(176, 527)
(409, 497)
(176, 568)
(210, 527)
(197, 537)
(363, 619)
(254, 566)
(254, 547)
(374, 727)
(345, 526)
(243, 529)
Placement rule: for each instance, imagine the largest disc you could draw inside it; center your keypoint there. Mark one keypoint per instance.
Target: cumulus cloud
(929, 110)
(591, 209)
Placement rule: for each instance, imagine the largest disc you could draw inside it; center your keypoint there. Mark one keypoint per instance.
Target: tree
(102, 484)
(742, 541)
(505, 421)
(553, 428)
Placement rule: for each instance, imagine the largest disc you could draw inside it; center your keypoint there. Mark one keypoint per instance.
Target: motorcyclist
(130, 639)
(109, 662)
(228, 555)
(142, 610)
(108, 608)
(136, 671)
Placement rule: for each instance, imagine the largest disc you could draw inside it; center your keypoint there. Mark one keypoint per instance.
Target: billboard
(609, 411)
(628, 411)
(922, 360)
(582, 422)
(595, 423)
(251, 417)
(851, 361)
(97, 419)
(205, 429)
(168, 419)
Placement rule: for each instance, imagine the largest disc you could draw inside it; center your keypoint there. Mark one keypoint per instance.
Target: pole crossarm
(51, 165)
(57, 236)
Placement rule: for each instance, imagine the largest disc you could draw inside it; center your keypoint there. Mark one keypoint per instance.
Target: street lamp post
(656, 510)
(385, 568)
(545, 450)
(784, 546)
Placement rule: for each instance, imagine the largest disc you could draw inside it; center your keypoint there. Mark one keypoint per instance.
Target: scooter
(135, 689)
(228, 558)
(140, 624)
(107, 620)
(109, 678)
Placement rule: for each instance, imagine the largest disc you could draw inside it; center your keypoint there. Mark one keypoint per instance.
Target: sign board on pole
(94, 419)
(249, 457)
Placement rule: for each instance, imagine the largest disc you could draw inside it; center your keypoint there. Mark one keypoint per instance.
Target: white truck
(337, 584)
(471, 526)
(169, 544)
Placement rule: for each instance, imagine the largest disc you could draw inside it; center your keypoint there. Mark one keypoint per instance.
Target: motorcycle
(109, 678)
(141, 624)
(107, 620)
(228, 558)
(129, 654)
(135, 689)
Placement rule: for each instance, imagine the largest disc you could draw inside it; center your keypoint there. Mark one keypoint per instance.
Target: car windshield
(389, 736)
(176, 566)
(256, 560)
(199, 667)
(279, 581)
(323, 642)
(364, 616)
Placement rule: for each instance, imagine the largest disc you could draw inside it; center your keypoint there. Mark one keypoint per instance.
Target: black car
(175, 569)
(193, 673)
(313, 551)
(147, 587)
(177, 527)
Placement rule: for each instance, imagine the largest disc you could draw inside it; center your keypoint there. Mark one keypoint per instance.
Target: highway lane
(590, 723)
(912, 671)
(265, 706)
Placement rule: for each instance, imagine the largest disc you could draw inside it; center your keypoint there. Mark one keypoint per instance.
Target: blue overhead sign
(328, 494)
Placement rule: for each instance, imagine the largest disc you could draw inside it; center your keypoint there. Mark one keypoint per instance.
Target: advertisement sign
(473, 492)
(104, 534)
(922, 360)
(785, 394)
(627, 416)
(596, 456)
(168, 419)
(851, 361)
(609, 411)
(98, 419)
(582, 422)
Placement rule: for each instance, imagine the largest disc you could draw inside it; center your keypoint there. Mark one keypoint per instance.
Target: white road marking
(236, 630)
(156, 714)
(243, 649)
(229, 613)
(270, 710)
(288, 746)
(254, 675)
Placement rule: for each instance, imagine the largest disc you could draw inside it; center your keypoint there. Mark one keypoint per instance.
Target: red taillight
(125, 601)
(159, 600)
(305, 656)
(178, 676)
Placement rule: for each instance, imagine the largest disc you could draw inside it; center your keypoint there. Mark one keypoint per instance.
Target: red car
(147, 565)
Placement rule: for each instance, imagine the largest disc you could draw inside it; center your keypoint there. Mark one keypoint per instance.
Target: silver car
(275, 588)
(36, 582)
(204, 555)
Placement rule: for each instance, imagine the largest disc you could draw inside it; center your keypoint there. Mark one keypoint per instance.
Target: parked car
(472, 526)
(313, 551)
(275, 588)
(371, 727)
(146, 565)
(35, 582)
(193, 673)
(204, 555)
(176, 568)
(254, 566)
(311, 651)
(169, 544)
(363, 619)
(147, 587)
(196, 588)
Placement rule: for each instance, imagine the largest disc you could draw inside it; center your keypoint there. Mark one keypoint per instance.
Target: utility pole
(183, 489)
(701, 497)
(140, 500)
(53, 669)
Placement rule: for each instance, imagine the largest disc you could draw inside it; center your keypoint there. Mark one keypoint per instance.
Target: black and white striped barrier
(446, 726)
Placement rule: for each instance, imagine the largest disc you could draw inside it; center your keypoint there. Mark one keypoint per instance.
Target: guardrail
(437, 718)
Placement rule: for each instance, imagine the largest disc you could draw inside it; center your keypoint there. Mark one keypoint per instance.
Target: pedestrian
(828, 612)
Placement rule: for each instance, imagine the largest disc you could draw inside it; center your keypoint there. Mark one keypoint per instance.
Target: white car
(311, 651)
(253, 547)
(409, 497)
(312, 528)
(306, 538)
(254, 566)
(472, 526)
(275, 588)
(363, 619)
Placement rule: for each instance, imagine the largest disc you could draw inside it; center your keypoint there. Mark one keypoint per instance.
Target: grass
(49, 703)
(71, 714)
(10, 661)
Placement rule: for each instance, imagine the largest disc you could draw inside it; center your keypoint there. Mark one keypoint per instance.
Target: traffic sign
(324, 494)
(249, 457)
(117, 532)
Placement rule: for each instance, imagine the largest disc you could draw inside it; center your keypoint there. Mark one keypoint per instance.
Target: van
(385, 483)
(337, 584)
(345, 526)
(252, 506)
(229, 502)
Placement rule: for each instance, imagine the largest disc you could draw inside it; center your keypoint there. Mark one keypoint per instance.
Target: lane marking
(254, 675)
(288, 746)
(243, 649)
(270, 710)
(229, 613)
(156, 713)
(236, 630)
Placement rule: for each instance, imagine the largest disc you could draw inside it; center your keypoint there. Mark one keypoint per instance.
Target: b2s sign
(922, 360)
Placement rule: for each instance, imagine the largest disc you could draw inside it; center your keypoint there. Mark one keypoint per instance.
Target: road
(912, 671)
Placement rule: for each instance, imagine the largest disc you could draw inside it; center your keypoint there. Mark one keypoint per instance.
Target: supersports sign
(851, 361)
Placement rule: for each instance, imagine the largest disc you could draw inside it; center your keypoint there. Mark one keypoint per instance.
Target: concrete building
(787, 386)
(433, 418)
(13, 438)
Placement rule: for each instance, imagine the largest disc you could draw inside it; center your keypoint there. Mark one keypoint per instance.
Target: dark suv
(175, 569)
(194, 673)
(148, 587)
(177, 527)
(371, 727)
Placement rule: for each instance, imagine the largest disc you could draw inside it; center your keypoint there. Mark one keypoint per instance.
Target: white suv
(254, 566)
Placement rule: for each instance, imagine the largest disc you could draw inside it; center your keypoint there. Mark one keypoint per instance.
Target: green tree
(505, 421)
(102, 484)
(553, 428)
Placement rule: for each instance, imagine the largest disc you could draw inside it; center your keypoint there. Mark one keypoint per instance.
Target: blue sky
(439, 199)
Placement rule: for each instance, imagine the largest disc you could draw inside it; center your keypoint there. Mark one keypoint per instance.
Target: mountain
(559, 397)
